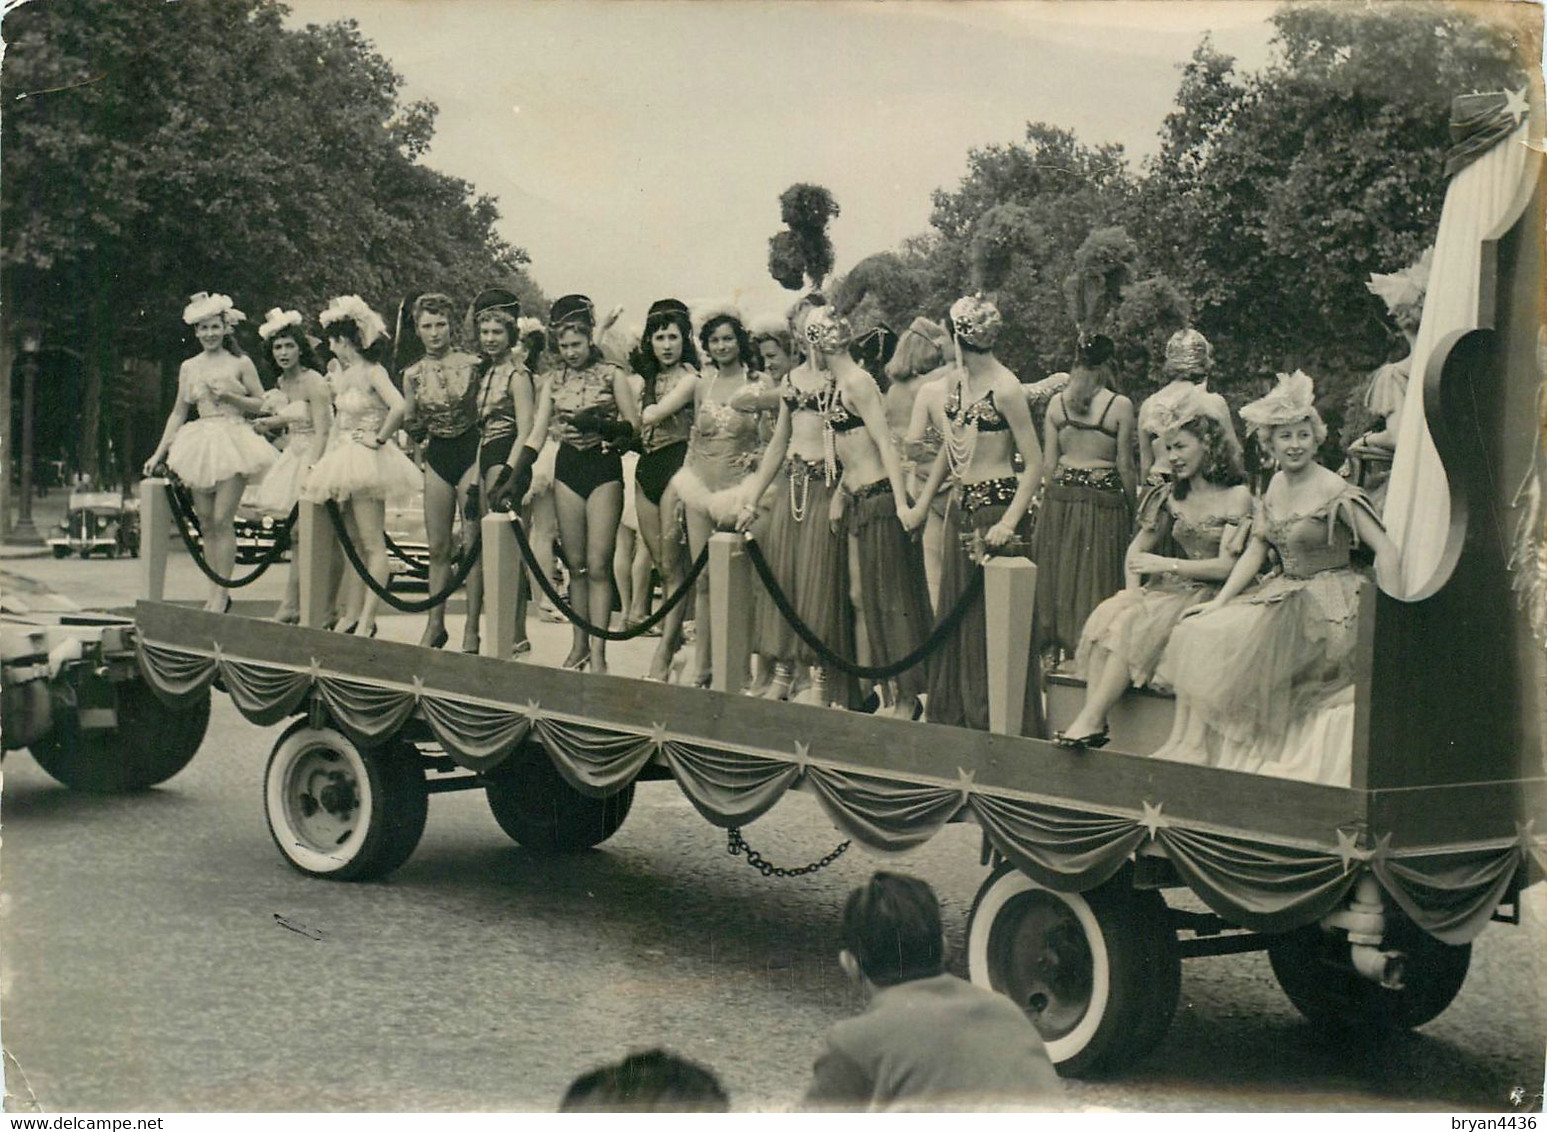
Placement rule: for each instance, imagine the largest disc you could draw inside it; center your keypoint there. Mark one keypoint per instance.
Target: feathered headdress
(826, 330)
(276, 320)
(1188, 355)
(202, 305)
(1187, 403)
(1101, 269)
(1292, 400)
(1403, 291)
(352, 308)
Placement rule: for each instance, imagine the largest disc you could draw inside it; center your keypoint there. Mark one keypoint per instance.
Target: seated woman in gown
(1264, 676)
(1204, 509)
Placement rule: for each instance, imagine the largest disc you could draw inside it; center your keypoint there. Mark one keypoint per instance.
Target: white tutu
(281, 488)
(542, 471)
(211, 450)
(349, 468)
(722, 506)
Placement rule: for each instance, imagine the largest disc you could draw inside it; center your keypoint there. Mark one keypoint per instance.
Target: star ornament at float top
(802, 754)
(1516, 105)
(1349, 851)
(658, 735)
(1153, 820)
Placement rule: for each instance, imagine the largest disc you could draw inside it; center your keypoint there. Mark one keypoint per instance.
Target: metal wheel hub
(322, 799)
(1043, 961)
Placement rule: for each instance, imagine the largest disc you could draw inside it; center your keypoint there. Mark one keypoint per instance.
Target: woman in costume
(804, 552)
(918, 372)
(536, 505)
(306, 418)
(508, 419)
(218, 454)
(1205, 509)
(668, 362)
(1189, 362)
(887, 587)
(722, 452)
(1251, 666)
(1403, 293)
(595, 418)
(363, 466)
(1086, 518)
(985, 424)
(440, 393)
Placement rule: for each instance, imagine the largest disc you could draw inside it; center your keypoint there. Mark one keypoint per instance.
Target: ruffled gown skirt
(211, 450)
(1133, 626)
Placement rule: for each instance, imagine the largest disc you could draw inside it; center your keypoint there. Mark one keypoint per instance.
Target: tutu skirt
(281, 488)
(1134, 626)
(211, 450)
(349, 468)
(1251, 677)
(893, 593)
(958, 675)
(1083, 530)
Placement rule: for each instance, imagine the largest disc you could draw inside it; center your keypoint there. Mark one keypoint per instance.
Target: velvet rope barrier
(270, 556)
(464, 568)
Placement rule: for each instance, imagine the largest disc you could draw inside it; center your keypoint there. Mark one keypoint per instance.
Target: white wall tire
(1097, 973)
(340, 813)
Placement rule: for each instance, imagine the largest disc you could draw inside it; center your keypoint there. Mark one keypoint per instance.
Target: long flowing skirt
(211, 450)
(1134, 625)
(810, 563)
(1250, 677)
(958, 677)
(893, 592)
(349, 468)
(1083, 531)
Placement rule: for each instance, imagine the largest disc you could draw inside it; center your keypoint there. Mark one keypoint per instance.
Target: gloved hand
(512, 481)
(617, 432)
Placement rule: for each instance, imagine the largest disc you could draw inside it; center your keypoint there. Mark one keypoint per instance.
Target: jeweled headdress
(976, 321)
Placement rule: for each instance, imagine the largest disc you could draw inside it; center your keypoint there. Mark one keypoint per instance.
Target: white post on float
(1009, 600)
(730, 610)
(501, 566)
(155, 531)
(316, 560)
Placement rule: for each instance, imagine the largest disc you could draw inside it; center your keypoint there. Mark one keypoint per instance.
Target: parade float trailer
(1366, 895)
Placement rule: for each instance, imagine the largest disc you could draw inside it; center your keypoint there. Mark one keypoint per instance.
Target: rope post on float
(1009, 600)
(730, 610)
(315, 559)
(501, 585)
(155, 532)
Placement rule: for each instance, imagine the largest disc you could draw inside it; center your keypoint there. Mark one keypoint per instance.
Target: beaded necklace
(800, 482)
(961, 438)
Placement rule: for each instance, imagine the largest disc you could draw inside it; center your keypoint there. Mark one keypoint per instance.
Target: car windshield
(20, 594)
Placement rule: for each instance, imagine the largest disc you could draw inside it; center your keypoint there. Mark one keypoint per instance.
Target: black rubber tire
(149, 745)
(1314, 970)
(387, 783)
(1105, 976)
(539, 810)
(61, 552)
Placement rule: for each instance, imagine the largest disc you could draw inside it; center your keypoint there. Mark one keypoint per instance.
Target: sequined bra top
(983, 414)
(840, 418)
(445, 392)
(1311, 542)
(803, 400)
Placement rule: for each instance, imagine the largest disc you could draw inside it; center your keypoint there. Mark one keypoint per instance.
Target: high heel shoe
(578, 664)
(438, 640)
(1094, 741)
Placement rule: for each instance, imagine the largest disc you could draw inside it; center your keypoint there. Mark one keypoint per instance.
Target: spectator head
(891, 931)
(653, 1081)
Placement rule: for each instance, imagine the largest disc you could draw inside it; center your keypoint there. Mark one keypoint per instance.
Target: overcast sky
(638, 148)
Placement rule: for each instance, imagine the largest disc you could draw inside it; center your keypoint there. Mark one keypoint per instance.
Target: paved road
(142, 967)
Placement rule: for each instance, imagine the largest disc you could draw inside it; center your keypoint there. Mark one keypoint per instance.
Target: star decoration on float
(1516, 106)
(533, 710)
(802, 754)
(1526, 836)
(964, 780)
(658, 735)
(1153, 820)
(1348, 849)
(313, 667)
(418, 687)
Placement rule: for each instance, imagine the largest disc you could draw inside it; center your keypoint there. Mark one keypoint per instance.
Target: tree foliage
(153, 150)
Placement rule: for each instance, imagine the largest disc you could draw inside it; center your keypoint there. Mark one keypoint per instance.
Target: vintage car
(258, 531)
(98, 522)
(71, 693)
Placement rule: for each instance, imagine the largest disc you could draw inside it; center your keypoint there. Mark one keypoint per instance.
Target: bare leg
(370, 516)
(700, 527)
(660, 530)
(543, 530)
(290, 604)
(1106, 681)
(440, 502)
(571, 511)
(639, 578)
(623, 568)
(604, 514)
(220, 535)
(351, 589)
(470, 630)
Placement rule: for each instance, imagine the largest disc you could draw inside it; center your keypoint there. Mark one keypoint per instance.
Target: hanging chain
(737, 846)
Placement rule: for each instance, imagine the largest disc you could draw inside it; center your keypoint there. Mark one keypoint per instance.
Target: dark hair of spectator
(891, 925)
(653, 1081)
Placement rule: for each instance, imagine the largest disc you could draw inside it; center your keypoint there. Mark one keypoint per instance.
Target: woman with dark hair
(801, 542)
(440, 393)
(985, 424)
(1086, 518)
(594, 418)
(508, 424)
(306, 418)
(722, 451)
(668, 362)
(1205, 510)
(218, 454)
(363, 467)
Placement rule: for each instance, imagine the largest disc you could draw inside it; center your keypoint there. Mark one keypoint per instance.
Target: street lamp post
(30, 341)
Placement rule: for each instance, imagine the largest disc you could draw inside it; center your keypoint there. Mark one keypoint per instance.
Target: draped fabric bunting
(1064, 849)
(1256, 884)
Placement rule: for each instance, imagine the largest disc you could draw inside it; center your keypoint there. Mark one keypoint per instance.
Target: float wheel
(1313, 968)
(149, 745)
(1098, 973)
(341, 813)
(539, 810)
